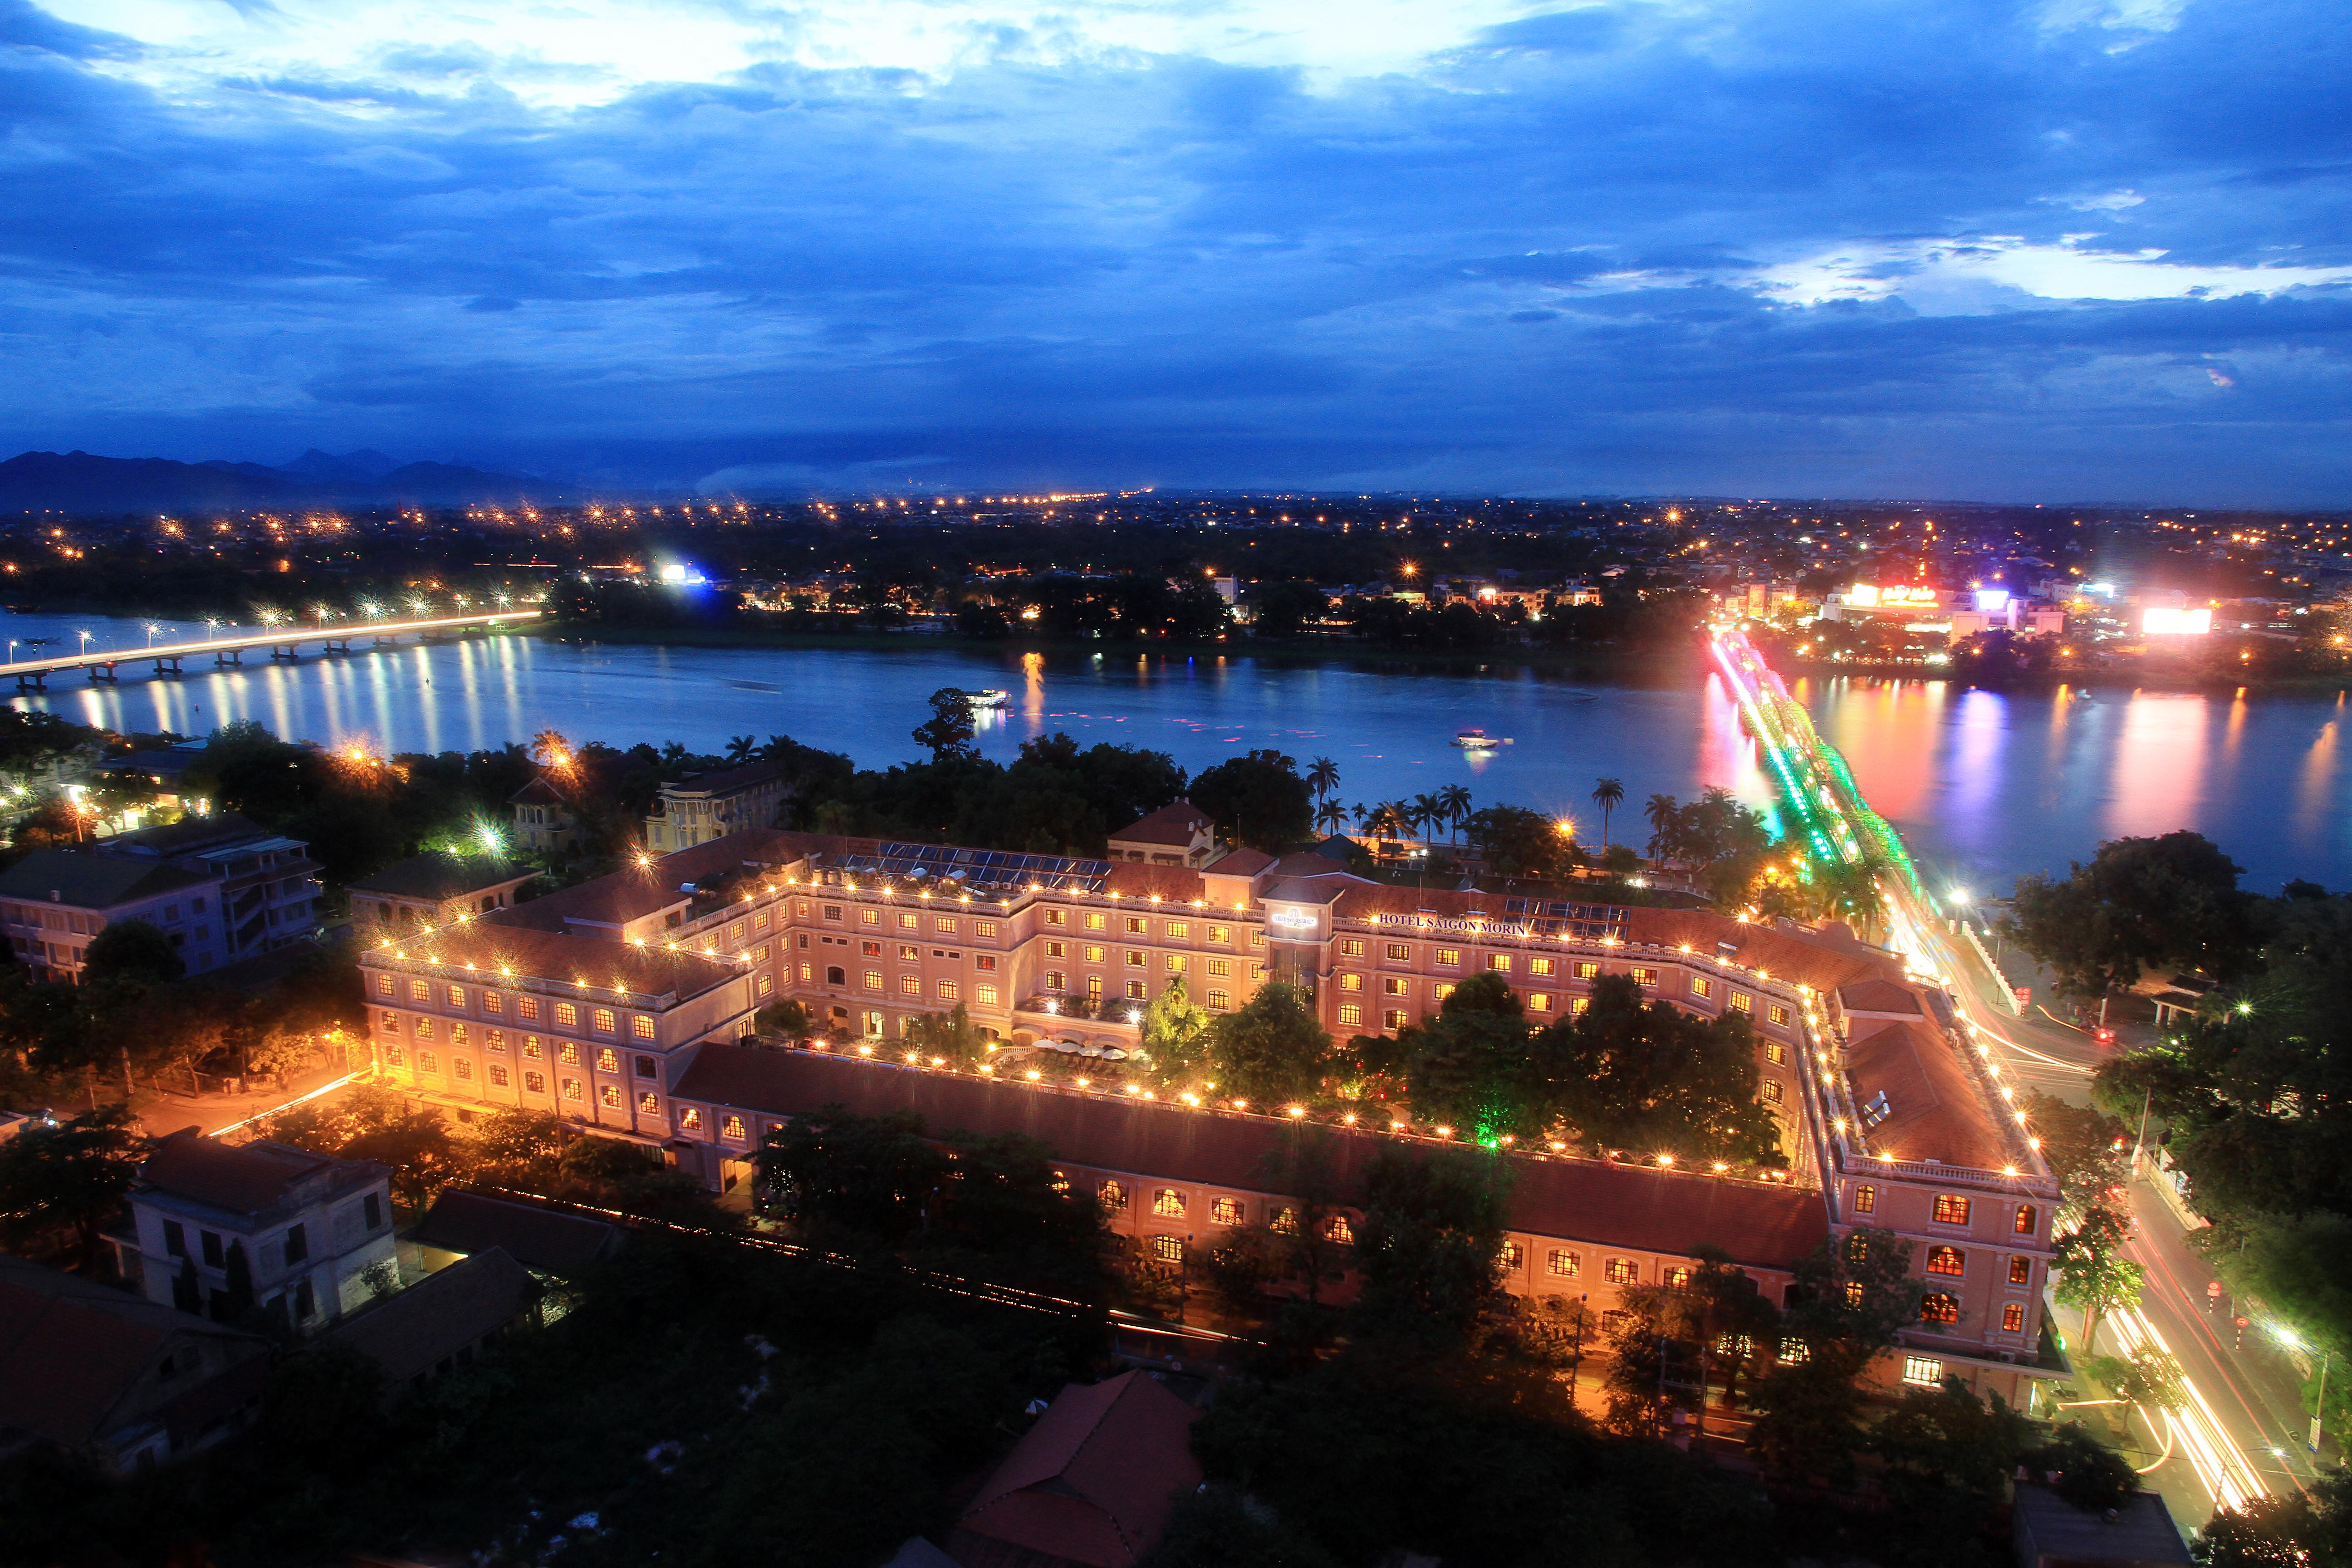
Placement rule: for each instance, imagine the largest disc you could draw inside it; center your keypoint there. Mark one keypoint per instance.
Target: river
(1982, 785)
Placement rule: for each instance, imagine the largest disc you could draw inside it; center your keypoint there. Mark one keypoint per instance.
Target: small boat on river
(992, 696)
(1479, 741)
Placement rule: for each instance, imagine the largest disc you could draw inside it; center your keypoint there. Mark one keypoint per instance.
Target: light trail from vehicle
(2220, 1465)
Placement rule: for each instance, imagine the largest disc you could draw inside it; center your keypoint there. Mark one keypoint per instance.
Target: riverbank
(1638, 667)
(2044, 681)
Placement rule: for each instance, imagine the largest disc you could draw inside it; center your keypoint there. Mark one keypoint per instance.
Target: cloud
(2069, 269)
(1799, 244)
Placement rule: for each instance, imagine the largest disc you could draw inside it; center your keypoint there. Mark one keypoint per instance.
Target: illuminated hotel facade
(624, 1004)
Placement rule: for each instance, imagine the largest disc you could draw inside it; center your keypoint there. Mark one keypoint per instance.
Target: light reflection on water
(1986, 783)
(1982, 783)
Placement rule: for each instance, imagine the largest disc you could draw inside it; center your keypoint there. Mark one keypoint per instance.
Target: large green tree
(1468, 1066)
(68, 1177)
(1851, 1296)
(1644, 1076)
(2172, 901)
(1270, 1050)
(1430, 1245)
(1258, 799)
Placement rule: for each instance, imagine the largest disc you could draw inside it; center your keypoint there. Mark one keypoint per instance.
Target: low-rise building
(427, 890)
(269, 883)
(1901, 1131)
(549, 1242)
(488, 1014)
(113, 1376)
(543, 819)
(302, 1230)
(1178, 835)
(53, 902)
(704, 806)
(445, 1321)
(1091, 1485)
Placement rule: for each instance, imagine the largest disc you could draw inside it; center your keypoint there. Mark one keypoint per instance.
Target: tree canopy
(1258, 799)
(2140, 903)
(1269, 1051)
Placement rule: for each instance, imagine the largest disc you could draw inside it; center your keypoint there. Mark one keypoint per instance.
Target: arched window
(1945, 1260)
(1939, 1307)
(2026, 1219)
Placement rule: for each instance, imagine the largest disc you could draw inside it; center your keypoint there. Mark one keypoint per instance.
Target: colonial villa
(622, 1003)
(543, 819)
(1178, 835)
(428, 890)
(704, 806)
(308, 1227)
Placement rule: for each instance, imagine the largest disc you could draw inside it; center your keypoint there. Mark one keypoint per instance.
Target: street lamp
(151, 629)
(2293, 1342)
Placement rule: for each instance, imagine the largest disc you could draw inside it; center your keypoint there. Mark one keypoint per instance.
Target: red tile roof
(1174, 884)
(1178, 824)
(1242, 862)
(1586, 1200)
(1936, 1110)
(548, 956)
(71, 1352)
(632, 894)
(1095, 1479)
(252, 1180)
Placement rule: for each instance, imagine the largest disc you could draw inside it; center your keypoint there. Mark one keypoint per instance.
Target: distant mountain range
(80, 482)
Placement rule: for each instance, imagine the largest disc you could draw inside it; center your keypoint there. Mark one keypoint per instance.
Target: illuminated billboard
(1870, 596)
(2176, 622)
(1992, 601)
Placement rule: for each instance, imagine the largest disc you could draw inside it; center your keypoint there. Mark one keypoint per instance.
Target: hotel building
(624, 1003)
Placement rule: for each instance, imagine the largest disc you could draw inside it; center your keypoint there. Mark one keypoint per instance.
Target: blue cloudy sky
(2069, 249)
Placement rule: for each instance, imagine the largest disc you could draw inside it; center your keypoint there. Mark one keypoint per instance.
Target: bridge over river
(284, 644)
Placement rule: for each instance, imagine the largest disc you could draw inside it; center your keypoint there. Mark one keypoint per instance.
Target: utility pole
(128, 1087)
(2139, 1147)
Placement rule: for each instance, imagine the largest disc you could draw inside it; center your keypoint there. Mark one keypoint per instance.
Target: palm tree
(1330, 817)
(1428, 812)
(1324, 777)
(740, 749)
(1608, 794)
(1664, 812)
(1363, 816)
(1455, 798)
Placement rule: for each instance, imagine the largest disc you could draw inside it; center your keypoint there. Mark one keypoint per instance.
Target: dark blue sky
(2083, 249)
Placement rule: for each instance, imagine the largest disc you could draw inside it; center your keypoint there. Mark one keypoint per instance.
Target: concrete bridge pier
(232, 657)
(286, 651)
(101, 671)
(37, 680)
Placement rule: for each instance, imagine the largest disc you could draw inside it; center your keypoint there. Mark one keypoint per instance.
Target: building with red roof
(1091, 1485)
(304, 1229)
(114, 1377)
(1904, 1131)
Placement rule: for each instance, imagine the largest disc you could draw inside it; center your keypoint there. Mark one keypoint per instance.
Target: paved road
(2253, 1391)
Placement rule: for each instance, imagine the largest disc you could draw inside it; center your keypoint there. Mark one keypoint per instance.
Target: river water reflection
(1983, 784)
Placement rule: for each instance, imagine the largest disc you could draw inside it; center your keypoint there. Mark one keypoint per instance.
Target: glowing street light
(2294, 1341)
